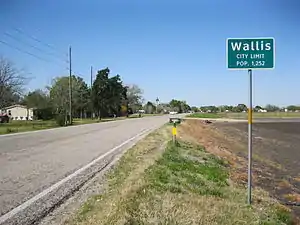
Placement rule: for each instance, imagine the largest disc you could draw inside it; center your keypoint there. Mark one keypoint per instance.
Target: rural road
(32, 164)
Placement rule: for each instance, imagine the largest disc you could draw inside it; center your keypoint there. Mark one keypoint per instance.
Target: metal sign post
(249, 54)
(250, 138)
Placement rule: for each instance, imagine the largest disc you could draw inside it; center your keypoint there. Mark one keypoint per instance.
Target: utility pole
(70, 85)
(91, 78)
(92, 111)
(157, 101)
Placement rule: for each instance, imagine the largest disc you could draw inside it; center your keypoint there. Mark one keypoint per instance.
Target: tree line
(108, 96)
(244, 108)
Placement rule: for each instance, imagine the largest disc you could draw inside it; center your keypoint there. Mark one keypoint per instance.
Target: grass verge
(256, 115)
(261, 115)
(23, 126)
(183, 184)
(205, 115)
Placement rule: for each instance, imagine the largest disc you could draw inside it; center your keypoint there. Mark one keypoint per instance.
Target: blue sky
(171, 49)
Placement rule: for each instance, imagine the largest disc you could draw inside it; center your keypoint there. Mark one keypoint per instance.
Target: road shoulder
(157, 181)
(98, 184)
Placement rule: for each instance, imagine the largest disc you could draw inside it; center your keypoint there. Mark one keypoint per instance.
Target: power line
(32, 46)
(23, 51)
(26, 52)
(41, 42)
(37, 48)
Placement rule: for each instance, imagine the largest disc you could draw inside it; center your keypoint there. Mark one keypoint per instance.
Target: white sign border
(274, 53)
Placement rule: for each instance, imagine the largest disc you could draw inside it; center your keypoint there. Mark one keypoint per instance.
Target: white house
(262, 110)
(19, 112)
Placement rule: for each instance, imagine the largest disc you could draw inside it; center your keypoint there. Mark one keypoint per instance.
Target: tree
(135, 97)
(116, 94)
(229, 108)
(60, 99)
(12, 82)
(272, 108)
(150, 108)
(184, 107)
(59, 95)
(124, 110)
(194, 109)
(36, 99)
(163, 108)
(109, 94)
(241, 108)
(179, 106)
(257, 108)
(175, 105)
(293, 108)
(80, 97)
(39, 100)
(211, 108)
(100, 91)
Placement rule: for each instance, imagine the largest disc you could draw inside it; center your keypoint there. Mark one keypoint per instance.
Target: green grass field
(244, 115)
(205, 115)
(22, 126)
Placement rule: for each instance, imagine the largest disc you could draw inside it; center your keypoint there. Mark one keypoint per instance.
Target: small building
(18, 112)
(262, 110)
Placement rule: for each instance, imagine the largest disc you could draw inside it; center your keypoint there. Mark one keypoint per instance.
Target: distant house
(18, 112)
(262, 110)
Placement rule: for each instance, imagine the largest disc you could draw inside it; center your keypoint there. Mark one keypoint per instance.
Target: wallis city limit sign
(250, 53)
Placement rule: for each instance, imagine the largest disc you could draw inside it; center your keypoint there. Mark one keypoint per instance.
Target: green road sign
(250, 53)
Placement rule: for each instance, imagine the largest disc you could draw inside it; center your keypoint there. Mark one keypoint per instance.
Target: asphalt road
(32, 162)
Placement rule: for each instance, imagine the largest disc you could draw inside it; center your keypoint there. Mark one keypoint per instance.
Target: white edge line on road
(24, 205)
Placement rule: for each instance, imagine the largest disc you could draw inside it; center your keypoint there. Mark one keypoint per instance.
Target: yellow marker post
(250, 116)
(174, 132)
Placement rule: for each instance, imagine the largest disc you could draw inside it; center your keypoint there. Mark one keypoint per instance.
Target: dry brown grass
(124, 180)
(293, 197)
(215, 143)
(180, 185)
(283, 184)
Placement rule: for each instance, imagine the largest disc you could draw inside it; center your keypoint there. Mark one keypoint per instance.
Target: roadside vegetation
(244, 115)
(24, 126)
(239, 108)
(205, 115)
(159, 182)
(262, 115)
(106, 98)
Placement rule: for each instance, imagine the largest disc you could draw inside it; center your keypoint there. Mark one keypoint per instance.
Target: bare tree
(135, 97)
(12, 82)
